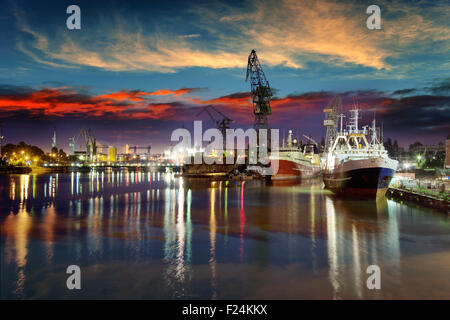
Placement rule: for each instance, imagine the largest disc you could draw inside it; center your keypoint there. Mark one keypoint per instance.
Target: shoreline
(424, 200)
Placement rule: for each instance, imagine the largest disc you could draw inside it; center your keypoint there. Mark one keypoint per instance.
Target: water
(153, 236)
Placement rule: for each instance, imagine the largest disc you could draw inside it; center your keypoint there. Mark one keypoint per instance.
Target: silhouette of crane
(261, 92)
(222, 124)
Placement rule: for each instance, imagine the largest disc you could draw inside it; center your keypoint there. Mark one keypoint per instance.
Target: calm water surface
(153, 236)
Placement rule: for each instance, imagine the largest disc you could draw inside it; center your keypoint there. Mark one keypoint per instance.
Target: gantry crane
(223, 124)
(261, 92)
(135, 148)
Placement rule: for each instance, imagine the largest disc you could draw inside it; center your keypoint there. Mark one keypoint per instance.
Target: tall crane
(223, 124)
(261, 92)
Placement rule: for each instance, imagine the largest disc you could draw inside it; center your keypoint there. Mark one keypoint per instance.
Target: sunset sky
(139, 69)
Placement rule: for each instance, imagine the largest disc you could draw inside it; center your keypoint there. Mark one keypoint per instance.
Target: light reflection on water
(154, 235)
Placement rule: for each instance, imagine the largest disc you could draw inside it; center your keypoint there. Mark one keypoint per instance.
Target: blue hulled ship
(355, 167)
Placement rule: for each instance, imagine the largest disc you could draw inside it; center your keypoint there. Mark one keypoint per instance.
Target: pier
(434, 200)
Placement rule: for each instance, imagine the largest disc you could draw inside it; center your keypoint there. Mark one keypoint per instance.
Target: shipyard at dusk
(225, 150)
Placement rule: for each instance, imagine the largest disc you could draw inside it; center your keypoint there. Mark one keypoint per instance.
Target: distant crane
(223, 124)
(261, 92)
(135, 148)
(73, 143)
(91, 144)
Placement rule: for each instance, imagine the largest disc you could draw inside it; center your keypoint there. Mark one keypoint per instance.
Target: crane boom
(312, 140)
(205, 109)
(223, 124)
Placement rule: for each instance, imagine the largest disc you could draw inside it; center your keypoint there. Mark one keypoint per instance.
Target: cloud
(428, 115)
(439, 88)
(194, 35)
(68, 102)
(404, 91)
(291, 33)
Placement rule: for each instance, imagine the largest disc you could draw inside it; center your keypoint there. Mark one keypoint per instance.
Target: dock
(437, 201)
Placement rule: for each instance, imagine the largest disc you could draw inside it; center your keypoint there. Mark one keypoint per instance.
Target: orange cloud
(123, 95)
(60, 102)
(165, 92)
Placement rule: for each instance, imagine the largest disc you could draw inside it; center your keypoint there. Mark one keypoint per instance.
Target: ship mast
(374, 139)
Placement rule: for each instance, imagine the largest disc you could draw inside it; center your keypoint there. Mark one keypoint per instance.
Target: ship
(295, 162)
(355, 167)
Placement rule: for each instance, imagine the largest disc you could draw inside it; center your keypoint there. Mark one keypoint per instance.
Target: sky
(137, 70)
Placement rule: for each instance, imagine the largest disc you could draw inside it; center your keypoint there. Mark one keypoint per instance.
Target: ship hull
(361, 179)
(292, 170)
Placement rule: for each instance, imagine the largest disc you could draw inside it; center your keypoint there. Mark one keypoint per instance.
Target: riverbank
(437, 201)
(14, 169)
(32, 170)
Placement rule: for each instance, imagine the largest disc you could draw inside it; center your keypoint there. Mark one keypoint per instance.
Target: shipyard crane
(223, 124)
(91, 144)
(73, 143)
(332, 113)
(261, 92)
(135, 149)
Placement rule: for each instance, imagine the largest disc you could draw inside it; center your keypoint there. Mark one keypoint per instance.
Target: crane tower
(332, 112)
(261, 92)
